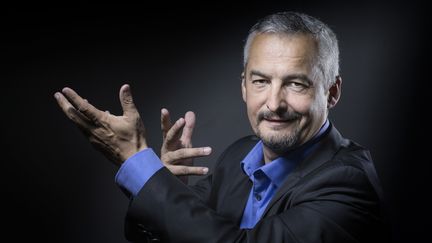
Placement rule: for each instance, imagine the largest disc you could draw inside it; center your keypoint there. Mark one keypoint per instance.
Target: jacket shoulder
(238, 149)
(353, 154)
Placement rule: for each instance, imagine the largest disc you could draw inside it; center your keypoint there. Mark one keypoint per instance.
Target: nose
(276, 99)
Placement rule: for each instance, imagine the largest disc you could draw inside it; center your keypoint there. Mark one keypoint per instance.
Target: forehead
(281, 50)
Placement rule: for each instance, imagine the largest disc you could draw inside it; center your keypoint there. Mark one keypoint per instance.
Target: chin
(277, 131)
(277, 141)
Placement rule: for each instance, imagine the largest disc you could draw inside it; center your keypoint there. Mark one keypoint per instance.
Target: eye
(297, 86)
(260, 82)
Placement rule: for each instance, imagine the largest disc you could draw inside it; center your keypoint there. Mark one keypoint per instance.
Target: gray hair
(291, 23)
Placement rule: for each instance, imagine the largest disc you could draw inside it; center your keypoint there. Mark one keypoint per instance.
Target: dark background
(56, 188)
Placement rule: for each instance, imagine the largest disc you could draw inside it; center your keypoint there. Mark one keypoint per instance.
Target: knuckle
(166, 159)
(184, 171)
(135, 115)
(128, 99)
(70, 112)
(84, 108)
(175, 170)
(192, 152)
(181, 153)
(169, 136)
(104, 119)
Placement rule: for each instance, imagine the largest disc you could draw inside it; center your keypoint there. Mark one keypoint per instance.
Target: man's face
(285, 106)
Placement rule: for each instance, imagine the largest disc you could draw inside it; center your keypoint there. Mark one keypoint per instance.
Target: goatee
(279, 142)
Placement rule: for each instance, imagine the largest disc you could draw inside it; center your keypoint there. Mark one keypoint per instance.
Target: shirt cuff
(137, 170)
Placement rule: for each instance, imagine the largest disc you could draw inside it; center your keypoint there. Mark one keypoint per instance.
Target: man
(297, 180)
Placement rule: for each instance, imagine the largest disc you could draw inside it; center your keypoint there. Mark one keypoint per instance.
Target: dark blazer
(331, 196)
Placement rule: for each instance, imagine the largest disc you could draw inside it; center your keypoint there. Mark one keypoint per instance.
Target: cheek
(253, 107)
(302, 105)
(254, 102)
(313, 107)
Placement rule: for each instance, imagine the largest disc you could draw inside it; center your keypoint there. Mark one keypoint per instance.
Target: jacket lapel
(235, 197)
(323, 153)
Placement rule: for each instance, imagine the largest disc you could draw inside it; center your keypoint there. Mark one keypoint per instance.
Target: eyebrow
(284, 78)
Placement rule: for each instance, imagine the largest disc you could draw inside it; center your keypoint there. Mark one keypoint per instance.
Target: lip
(274, 123)
(277, 124)
(276, 120)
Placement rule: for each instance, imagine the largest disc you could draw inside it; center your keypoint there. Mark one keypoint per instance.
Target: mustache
(286, 116)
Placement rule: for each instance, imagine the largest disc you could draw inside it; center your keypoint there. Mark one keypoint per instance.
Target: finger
(187, 170)
(73, 114)
(173, 135)
(165, 122)
(186, 153)
(82, 105)
(126, 101)
(186, 137)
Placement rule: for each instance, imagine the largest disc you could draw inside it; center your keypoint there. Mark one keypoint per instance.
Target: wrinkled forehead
(281, 52)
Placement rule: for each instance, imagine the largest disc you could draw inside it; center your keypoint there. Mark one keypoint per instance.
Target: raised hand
(177, 152)
(117, 137)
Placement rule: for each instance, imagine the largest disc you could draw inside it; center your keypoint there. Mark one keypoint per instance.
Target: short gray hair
(291, 23)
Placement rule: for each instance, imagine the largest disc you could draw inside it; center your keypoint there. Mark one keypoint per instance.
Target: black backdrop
(188, 57)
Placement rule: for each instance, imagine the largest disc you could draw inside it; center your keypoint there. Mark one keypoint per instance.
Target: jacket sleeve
(337, 204)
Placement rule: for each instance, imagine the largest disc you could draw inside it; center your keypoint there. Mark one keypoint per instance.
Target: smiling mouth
(276, 120)
(279, 122)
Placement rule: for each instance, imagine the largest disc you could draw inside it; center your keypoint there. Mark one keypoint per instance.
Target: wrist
(132, 152)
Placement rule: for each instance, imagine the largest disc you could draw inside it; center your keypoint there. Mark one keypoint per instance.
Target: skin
(119, 137)
(177, 152)
(277, 81)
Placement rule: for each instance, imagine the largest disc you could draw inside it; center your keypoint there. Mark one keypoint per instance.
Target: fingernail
(207, 150)
(56, 95)
(205, 170)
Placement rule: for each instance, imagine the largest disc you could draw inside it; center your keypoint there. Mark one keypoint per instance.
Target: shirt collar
(278, 169)
(253, 160)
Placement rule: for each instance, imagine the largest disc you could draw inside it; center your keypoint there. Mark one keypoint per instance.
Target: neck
(269, 155)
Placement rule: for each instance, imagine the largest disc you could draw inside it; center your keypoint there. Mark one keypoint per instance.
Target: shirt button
(258, 197)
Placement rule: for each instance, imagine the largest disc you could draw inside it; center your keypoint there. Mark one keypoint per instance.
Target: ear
(334, 93)
(243, 86)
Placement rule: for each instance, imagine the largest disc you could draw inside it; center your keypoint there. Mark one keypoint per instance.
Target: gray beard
(280, 144)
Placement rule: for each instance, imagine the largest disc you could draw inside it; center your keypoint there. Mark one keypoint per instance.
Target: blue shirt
(266, 178)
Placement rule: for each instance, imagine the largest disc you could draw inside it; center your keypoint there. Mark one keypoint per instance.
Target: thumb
(126, 100)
